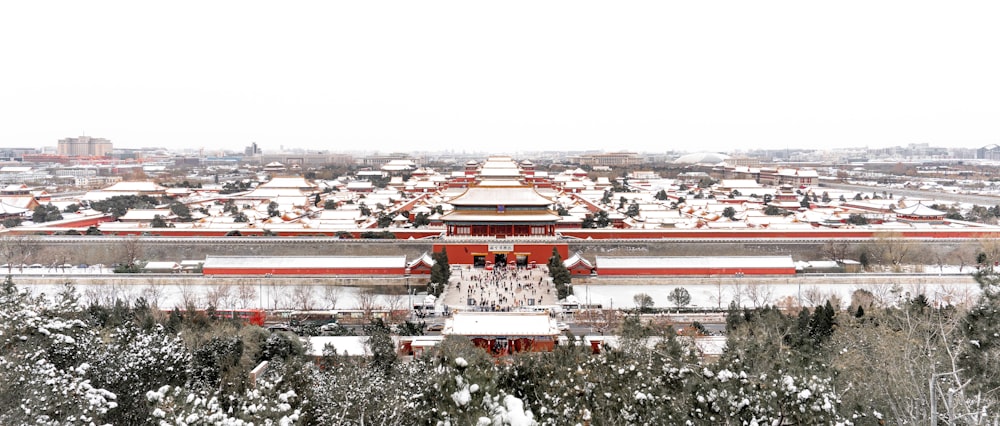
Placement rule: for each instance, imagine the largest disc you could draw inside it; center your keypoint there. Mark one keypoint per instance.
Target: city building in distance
(84, 146)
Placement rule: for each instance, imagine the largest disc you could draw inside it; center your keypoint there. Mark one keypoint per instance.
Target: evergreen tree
(383, 220)
(980, 351)
(821, 324)
(857, 219)
(560, 275)
(182, 211)
(158, 222)
(801, 338)
(421, 219)
(46, 213)
(121, 204)
(729, 213)
(773, 211)
(440, 272)
(383, 350)
(633, 210)
(602, 220)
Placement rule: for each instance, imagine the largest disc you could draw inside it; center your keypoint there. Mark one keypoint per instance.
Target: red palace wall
(816, 233)
(69, 222)
(462, 254)
(257, 232)
(303, 271)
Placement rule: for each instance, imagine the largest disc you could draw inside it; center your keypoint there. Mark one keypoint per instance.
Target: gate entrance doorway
(500, 259)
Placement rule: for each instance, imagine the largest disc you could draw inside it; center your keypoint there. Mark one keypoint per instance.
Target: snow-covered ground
(712, 292)
(166, 296)
(719, 295)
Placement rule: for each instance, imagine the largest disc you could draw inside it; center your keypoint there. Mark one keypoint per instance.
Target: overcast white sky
(366, 75)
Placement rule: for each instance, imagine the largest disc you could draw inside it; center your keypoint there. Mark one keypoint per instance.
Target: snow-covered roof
(289, 182)
(918, 210)
(500, 324)
(575, 259)
(504, 195)
(344, 345)
(161, 266)
(739, 183)
(460, 216)
(398, 165)
(359, 185)
(15, 169)
(146, 214)
(817, 264)
(747, 262)
(139, 186)
(291, 262)
(798, 172)
(499, 167)
(711, 345)
(424, 258)
(8, 209)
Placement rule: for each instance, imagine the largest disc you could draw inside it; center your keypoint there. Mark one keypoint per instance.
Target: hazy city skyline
(517, 76)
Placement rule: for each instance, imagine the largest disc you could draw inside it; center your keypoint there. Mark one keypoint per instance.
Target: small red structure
(505, 333)
(578, 265)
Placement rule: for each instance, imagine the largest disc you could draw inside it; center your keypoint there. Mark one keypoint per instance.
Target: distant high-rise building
(989, 152)
(84, 146)
(251, 150)
(609, 159)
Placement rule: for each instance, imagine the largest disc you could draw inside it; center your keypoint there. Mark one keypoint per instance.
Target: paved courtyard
(502, 288)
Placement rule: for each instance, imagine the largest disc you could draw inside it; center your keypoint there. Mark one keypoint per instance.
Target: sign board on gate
(501, 247)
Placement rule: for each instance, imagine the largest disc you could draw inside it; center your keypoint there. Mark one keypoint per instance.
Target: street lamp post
(409, 293)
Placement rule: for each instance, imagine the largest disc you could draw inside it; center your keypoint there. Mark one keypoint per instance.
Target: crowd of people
(502, 288)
